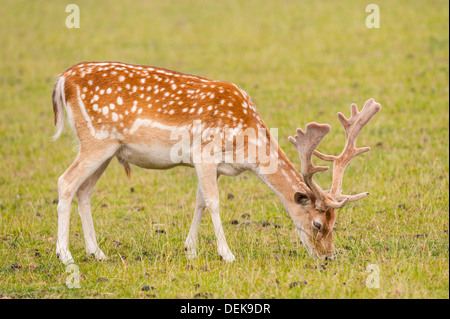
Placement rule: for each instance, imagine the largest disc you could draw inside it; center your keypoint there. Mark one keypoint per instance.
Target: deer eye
(316, 224)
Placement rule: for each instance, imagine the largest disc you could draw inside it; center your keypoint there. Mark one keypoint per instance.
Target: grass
(300, 62)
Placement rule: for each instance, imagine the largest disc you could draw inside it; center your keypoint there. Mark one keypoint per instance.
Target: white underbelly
(152, 156)
(157, 156)
(229, 169)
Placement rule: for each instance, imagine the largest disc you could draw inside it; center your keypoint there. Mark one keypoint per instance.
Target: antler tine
(352, 127)
(306, 142)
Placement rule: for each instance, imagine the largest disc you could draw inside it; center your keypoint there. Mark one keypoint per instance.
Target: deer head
(316, 208)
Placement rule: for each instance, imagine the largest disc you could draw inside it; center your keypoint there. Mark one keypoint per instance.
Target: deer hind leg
(84, 194)
(86, 163)
(207, 181)
(191, 240)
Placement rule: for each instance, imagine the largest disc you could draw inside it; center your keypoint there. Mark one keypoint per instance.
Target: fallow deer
(138, 114)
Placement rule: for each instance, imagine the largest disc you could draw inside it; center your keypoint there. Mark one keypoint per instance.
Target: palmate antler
(307, 141)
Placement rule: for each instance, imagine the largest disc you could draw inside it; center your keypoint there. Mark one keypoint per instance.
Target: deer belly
(229, 169)
(155, 156)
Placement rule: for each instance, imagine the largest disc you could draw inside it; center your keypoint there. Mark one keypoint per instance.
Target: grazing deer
(138, 114)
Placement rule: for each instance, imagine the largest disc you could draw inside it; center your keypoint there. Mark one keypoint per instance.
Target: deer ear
(301, 198)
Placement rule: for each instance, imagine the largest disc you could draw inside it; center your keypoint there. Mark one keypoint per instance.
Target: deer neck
(284, 181)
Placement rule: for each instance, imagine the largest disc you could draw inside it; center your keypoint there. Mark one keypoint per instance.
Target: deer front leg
(190, 244)
(84, 194)
(191, 240)
(207, 181)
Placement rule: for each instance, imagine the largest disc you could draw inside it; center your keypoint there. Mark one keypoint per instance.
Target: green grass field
(301, 61)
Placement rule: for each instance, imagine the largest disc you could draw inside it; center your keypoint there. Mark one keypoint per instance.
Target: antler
(307, 141)
(352, 127)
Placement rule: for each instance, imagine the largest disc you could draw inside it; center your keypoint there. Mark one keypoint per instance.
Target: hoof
(190, 253)
(65, 258)
(227, 256)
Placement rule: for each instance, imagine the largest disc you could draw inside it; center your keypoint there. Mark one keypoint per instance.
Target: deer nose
(331, 256)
